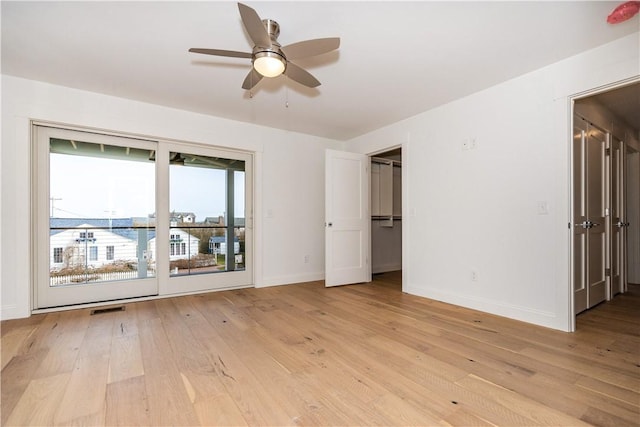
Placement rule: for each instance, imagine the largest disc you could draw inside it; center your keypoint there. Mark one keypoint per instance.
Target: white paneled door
(589, 209)
(347, 219)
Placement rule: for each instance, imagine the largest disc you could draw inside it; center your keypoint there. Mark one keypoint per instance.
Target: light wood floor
(306, 355)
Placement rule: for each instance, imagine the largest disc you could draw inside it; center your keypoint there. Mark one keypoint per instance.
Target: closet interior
(386, 211)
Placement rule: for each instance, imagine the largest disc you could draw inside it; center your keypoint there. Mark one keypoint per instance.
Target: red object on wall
(623, 12)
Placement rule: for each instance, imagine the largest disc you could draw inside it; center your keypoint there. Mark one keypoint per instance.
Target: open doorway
(606, 194)
(386, 212)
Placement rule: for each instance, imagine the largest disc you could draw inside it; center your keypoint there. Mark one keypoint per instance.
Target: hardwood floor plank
(578, 364)
(85, 395)
(63, 336)
(126, 358)
(219, 410)
(13, 341)
(127, 404)
(39, 402)
(611, 390)
(15, 379)
(167, 398)
(598, 417)
(534, 411)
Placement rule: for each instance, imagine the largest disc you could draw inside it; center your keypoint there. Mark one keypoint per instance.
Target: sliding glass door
(118, 218)
(208, 223)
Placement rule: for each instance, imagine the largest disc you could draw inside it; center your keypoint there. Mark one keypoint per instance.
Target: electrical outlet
(469, 144)
(542, 208)
(306, 259)
(474, 276)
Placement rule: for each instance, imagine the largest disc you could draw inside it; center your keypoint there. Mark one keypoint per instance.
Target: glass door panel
(207, 221)
(100, 194)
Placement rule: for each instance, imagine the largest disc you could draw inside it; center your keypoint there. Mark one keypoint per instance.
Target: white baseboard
(8, 312)
(524, 314)
(289, 279)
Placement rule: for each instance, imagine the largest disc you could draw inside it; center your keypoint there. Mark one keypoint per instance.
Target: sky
(91, 187)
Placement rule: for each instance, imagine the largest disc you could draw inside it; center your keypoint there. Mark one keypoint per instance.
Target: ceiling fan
(268, 57)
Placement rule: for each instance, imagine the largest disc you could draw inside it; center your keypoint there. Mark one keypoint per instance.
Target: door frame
(571, 110)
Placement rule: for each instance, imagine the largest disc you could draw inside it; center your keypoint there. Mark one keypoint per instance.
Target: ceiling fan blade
(313, 47)
(220, 52)
(252, 79)
(301, 76)
(253, 24)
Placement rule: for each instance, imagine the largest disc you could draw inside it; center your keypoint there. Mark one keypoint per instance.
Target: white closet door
(347, 227)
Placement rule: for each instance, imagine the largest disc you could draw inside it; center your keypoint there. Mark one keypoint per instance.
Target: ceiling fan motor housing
(272, 27)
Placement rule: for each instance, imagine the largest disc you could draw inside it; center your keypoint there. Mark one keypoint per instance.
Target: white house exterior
(93, 242)
(182, 245)
(91, 247)
(185, 217)
(218, 245)
(96, 242)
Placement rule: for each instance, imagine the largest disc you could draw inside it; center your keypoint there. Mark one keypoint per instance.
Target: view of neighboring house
(91, 241)
(185, 217)
(182, 245)
(218, 245)
(96, 242)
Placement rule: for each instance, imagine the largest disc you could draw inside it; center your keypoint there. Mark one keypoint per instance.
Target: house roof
(221, 239)
(120, 226)
(182, 214)
(396, 59)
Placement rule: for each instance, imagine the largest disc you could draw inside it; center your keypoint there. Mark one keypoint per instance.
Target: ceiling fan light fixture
(269, 64)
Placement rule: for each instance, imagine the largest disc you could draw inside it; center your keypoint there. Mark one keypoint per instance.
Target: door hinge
(607, 151)
(607, 272)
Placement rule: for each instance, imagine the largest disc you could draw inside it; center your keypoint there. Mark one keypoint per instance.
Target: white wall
(477, 210)
(289, 177)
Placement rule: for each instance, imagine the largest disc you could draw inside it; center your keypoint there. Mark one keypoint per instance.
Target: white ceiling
(396, 59)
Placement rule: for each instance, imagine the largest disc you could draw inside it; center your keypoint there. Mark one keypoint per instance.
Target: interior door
(617, 224)
(596, 203)
(580, 224)
(590, 243)
(347, 219)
